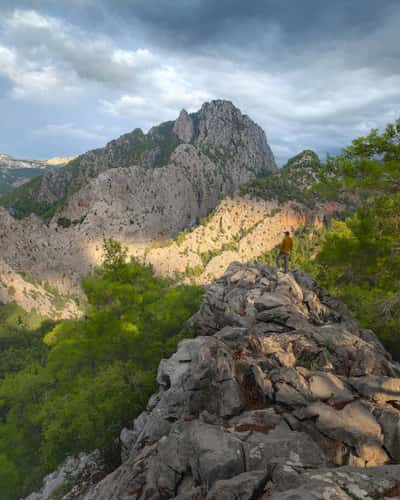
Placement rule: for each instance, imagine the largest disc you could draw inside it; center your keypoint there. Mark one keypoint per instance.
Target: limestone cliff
(281, 395)
(241, 229)
(225, 144)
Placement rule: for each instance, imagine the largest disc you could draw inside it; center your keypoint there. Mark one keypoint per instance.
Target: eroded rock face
(219, 129)
(85, 469)
(184, 127)
(281, 395)
(140, 189)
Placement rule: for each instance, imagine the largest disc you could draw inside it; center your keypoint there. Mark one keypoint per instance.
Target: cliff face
(281, 395)
(240, 229)
(176, 173)
(220, 136)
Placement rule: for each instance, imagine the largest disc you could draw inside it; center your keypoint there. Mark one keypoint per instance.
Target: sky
(75, 74)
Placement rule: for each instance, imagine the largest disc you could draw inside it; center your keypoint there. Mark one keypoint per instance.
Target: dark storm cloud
(225, 25)
(205, 21)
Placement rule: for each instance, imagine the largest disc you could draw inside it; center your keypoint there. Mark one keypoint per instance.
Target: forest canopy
(75, 384)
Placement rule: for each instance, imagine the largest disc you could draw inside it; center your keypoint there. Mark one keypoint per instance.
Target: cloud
(125, 104)
(313, 74)
(204, 25)
(29, 80)
(47, 41)
(70, 130)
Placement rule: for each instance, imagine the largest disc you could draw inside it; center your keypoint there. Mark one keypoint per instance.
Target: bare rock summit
(281, 395)
(183, 127)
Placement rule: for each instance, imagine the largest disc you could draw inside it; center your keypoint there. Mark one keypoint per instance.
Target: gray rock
(281, 445)
(266, 412)
(389, 420)
(270, 301)
(82, 471)
(354, 425)
(184, 128)
(244, 486)
(380, 389)
(336, 484)
(326, 386)
(257, 420)
(214, 453)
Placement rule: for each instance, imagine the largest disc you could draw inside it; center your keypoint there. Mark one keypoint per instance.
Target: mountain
(14, 172)
(279, 395)
(291, 183)
(7, 161)
(59, 160)
(189, 198)
(220, 147)
(138, 189)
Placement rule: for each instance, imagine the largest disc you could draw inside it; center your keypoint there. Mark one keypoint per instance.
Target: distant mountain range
(15, 172)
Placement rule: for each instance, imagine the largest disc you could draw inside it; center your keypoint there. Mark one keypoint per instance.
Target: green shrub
(64, 222)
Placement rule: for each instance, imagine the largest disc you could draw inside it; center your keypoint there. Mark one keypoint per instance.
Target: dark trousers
(285, 257)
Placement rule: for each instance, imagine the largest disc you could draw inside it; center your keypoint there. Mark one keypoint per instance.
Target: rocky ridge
(15, 173)
(7, 161)
(219, 135)
(281, 395)
(139, 189)
(247, 225)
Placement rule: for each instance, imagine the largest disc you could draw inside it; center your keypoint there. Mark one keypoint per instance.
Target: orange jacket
(287, 245)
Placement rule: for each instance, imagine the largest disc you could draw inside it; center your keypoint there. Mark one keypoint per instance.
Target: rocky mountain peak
(280, 395)
(302, 170)
(221, 124)
(223, 141)
(184, 127)
(305, 159)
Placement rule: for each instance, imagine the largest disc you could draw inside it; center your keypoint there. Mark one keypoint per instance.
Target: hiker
(284, 252)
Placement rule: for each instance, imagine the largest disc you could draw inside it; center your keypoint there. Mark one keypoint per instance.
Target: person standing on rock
(284, 252)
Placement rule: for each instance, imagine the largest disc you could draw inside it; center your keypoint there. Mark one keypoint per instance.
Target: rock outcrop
(281, 395)
(184, 127)
(83, 470)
